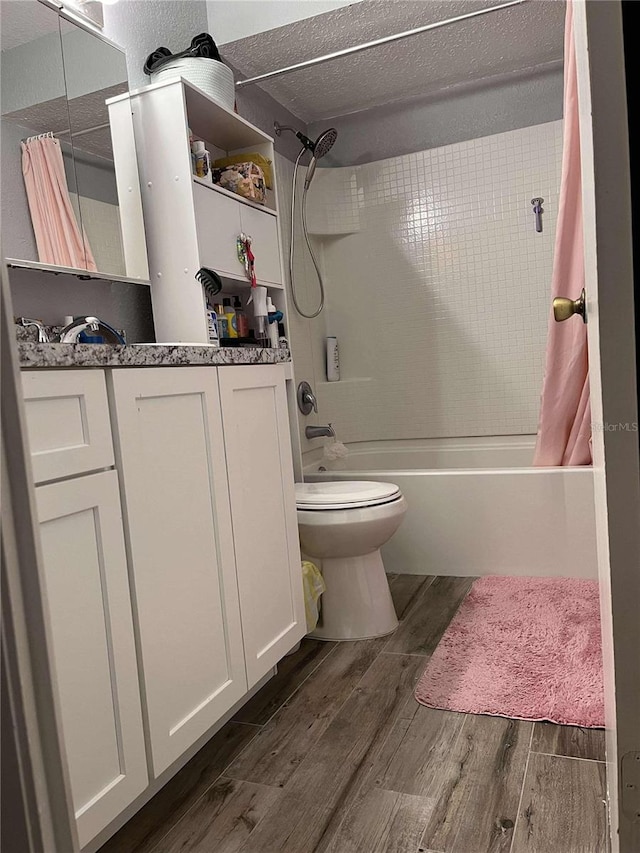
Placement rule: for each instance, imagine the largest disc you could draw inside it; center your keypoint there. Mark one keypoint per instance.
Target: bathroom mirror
(56, 77)
(95, 70)
(34, 101)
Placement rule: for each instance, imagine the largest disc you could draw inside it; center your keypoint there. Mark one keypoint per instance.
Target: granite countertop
(33, 354)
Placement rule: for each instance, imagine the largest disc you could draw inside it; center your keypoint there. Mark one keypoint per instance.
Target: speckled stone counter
(33, 354)
(142, 355)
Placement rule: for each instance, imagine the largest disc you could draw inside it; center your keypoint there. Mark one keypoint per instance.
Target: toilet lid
(344, 494)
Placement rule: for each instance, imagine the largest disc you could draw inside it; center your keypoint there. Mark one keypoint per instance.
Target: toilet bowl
(342, 527)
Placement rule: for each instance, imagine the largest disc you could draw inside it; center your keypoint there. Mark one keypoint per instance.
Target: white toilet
(342, 527)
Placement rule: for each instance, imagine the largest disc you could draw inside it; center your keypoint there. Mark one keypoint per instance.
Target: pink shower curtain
(564, 430)
(58, 236)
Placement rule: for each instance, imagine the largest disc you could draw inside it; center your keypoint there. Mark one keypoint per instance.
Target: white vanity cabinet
(207, 475)
(87, 587)
(173, 579)
(171, 451)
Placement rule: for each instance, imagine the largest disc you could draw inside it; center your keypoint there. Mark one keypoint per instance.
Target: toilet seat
(345, 494)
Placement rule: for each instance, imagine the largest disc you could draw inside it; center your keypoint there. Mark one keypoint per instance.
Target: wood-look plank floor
(334, 755)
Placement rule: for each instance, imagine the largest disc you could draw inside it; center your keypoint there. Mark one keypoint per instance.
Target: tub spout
(320, 431)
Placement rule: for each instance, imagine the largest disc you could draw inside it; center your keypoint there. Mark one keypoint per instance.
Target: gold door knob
(564, 308)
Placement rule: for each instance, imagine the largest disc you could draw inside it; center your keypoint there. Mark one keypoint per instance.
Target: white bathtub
(476, 507)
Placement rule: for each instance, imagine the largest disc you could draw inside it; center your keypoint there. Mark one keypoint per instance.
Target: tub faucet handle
(306, 399)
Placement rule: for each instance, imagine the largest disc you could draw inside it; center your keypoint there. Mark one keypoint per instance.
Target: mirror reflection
(94, 72)
(34, 103)
(59, 197)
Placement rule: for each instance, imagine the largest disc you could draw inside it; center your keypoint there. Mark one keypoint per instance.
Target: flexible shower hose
(307, 241)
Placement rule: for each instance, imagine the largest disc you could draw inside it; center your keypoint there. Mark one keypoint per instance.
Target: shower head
(322, 146)
(324, 143)
(318, 148)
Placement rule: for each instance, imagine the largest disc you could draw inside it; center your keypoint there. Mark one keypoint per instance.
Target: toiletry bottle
(202, 159)
(223, 326)
(282, 339)
(230, 314)
(273, 323)
(333, 359)
(242, 324)
(193, 156)
(212, 327)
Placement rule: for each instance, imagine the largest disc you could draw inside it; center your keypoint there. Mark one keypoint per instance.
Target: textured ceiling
(501, 43)
(22, 21)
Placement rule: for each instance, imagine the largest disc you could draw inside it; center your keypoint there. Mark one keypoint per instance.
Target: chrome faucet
(43, 338)
(70, 333)
(320, 431)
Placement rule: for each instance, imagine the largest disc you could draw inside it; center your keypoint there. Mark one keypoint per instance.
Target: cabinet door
(263, 230)
(263, 508)
(170, 442)
(93, 646)
(218, 225)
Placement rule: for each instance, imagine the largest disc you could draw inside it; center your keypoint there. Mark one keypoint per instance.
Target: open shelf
(205, 183)
(225, 128)
(207, 118)
(15, 263)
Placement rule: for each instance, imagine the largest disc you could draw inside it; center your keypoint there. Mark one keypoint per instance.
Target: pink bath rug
(527, 648)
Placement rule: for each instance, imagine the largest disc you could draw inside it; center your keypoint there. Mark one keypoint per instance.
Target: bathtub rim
(448, 472)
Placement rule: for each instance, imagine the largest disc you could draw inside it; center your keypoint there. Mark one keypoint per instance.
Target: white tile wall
(441, 299)
(335, 200)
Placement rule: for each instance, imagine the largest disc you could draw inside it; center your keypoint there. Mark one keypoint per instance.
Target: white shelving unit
(190, 222)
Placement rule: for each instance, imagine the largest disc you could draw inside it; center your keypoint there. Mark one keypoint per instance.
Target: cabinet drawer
(67, 422)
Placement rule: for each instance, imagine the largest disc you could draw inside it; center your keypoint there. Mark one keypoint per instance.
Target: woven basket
(214, 78)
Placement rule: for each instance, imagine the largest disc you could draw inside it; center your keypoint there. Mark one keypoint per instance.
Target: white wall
(441, 299)
(140, 26)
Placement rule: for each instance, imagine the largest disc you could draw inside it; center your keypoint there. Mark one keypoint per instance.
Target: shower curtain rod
(56, 133)
(309, 63)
